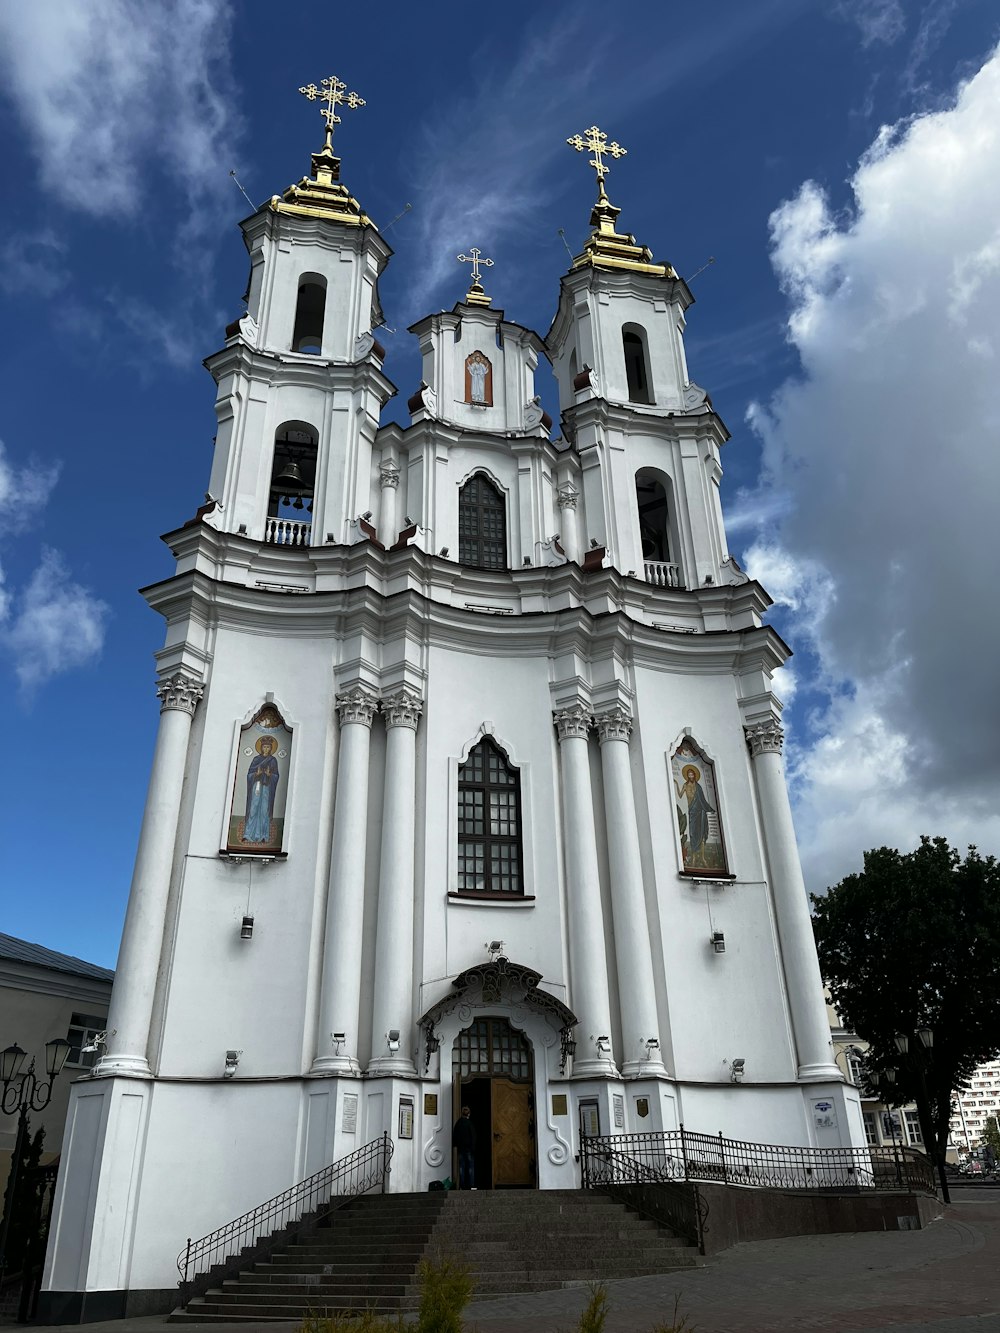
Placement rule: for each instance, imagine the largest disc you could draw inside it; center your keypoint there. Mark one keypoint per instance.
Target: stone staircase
(514, 1241)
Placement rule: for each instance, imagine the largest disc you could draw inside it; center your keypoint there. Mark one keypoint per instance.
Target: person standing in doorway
(463, 1139)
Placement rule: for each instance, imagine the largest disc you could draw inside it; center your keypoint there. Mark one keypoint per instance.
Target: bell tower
(300, 383)
(648, 439)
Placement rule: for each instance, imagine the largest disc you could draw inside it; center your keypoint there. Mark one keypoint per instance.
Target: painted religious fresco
(478, 380)
(257, 813)
(698, 822)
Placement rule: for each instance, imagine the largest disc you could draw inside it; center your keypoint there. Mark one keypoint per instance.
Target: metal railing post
(722, 1156)
(684, 1155)
(385, 1157)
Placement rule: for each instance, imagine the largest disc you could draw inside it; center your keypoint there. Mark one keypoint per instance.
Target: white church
(468, 783)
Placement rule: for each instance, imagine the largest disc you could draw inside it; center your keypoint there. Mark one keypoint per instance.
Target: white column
(340, 997)
(388, 527)
(795, 933)
(142, 937)
(566, 498)
(636, 991)
(392, 1007)
(589, 996)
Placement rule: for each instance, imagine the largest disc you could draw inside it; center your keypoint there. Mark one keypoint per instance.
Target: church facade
(468, 783)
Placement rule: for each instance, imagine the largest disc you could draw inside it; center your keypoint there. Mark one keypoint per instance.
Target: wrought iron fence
(314, 1197)
(679, 1155)
(673, 1201)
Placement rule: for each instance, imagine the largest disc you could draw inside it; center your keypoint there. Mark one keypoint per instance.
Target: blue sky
(840, 161)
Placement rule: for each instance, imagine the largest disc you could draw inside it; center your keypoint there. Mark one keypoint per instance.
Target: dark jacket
(463, 1136)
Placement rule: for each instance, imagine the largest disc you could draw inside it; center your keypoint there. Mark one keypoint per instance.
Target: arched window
(489, 823)
(309, 310)
(491, 1047)
(293, 478)
(636, 368)
(482, 525)
(652, 496)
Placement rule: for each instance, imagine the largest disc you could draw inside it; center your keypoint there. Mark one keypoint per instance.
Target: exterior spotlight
(367, 515)
(495, 950)
(593, 543)
(338, 1039)
(603, 1045)
(718, 941)
(232, 1060)
(443, 551)
(737, 1067)
(246, 929)
(652, 1044)
(392, 1039)
(527, 560)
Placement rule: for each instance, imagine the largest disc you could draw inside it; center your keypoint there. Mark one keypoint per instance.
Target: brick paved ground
(945, 1279)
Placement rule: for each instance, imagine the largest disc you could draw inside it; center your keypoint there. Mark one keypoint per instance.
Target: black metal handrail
(679, 1155)
(653, 1190)
(318, 1194)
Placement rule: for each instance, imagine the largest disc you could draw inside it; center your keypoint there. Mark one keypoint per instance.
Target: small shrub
(593, 1317)
(446, 1287)
(678, 1324)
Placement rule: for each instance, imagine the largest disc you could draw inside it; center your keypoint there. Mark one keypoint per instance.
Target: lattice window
(489, 823)
(491, 1046)
(482, 525)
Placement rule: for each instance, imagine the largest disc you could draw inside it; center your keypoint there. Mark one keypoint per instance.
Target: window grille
(489, 823)
(482, 525)
(913, 1127)
(491, 1046)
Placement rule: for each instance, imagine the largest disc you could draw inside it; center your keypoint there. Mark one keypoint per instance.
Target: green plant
(678, 1323)
(596, 1311)
(446, 1287)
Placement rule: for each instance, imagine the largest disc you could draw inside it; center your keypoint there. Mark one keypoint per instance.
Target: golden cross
(473, 258)
(333, 92)
(596, 141)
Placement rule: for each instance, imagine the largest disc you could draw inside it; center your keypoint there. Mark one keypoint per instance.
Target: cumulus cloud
(880, 459)
(56, 625)
(118, 90)
(23, 490)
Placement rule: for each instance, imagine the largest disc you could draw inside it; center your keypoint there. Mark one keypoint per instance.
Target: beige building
(44, 994)
(884, 1125)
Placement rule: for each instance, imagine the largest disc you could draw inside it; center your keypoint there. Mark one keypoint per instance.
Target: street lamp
(917, 1050)
(23, 1093)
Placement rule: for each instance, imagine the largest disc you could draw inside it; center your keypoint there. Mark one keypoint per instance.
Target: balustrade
(287, 532)
(663, 574)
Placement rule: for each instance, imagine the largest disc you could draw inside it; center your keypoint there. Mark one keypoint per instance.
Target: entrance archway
(493, 1074)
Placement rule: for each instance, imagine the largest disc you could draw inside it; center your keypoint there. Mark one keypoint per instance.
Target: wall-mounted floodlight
(736, 1068)
(652, 1044)
(392, 1039)
(338, 1039)
(603, 1045)
(246, 929)
(232, 1061)
(443, 551)
(718, 941)
(494, 949)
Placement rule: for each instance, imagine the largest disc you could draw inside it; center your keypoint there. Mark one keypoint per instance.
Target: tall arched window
(482, 524)
(489, 823)
(653, 496)
(293, 479)
(309, 311)
(636, 368)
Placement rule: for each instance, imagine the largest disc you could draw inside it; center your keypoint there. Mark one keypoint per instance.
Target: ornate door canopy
(499, 981)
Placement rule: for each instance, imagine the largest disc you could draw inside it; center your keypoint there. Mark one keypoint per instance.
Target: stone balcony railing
(287, 532)
(663, 574)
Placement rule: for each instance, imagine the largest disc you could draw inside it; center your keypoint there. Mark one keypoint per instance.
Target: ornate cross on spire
(596, 141)
(333, 92)
(475, 294)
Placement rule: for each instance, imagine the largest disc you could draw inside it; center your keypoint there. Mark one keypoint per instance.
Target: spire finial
(475, 295)
(596, 141)
(333, 92)
(605, 247)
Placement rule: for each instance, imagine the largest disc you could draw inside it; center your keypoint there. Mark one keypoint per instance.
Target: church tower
(468, 783)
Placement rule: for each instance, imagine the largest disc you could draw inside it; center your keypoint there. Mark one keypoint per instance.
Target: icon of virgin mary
(262, 783)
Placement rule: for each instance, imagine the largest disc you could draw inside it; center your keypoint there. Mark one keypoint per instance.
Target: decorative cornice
(615, 724)
(574, 721)
(180, 692)
(388, 475)
(402, 709)
(764, 737)
(356, 705)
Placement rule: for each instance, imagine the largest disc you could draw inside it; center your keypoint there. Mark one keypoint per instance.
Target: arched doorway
(493, 1074)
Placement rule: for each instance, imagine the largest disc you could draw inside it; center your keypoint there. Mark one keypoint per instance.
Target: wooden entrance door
(513, 1133)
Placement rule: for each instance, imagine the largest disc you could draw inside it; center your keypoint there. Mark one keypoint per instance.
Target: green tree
(912, 942)
(991, 1137)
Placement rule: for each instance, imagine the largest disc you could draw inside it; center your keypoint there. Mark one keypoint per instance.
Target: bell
(298, 502)
(289, 477)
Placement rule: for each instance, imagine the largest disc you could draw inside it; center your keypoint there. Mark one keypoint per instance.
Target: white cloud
(57, 625)
(24, 490)
(879, 21)
(880, 460)
(32, 263)
(112, 92)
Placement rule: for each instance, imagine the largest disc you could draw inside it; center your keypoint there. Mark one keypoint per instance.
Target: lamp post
(21, 1094)
(889, 1078)
(917, 1050)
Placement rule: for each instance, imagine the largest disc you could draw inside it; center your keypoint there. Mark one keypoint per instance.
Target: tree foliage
(912, 941)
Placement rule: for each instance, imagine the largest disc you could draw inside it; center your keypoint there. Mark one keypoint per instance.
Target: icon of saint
(698, 811)
(478, 367)
(262, 783)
